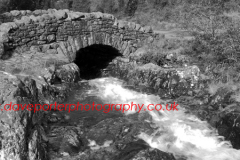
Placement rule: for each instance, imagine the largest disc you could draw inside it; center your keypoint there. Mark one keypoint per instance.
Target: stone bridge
(91, 41)
(56, 33)
(65, 32)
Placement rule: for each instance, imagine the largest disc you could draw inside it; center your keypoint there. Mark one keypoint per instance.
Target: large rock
(111, 138)
(68, 73)
(48, 74)
(64, 73)
(224, 112)
(61, 14)
(151, 78)
(65, 140)
(20, 129)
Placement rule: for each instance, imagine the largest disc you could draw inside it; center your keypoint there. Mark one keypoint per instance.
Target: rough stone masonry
(53, 32)
(64, 32)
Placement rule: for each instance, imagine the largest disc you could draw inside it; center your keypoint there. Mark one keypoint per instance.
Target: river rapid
(176, 132)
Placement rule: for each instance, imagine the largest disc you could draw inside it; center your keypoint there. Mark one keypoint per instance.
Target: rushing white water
(178, 133)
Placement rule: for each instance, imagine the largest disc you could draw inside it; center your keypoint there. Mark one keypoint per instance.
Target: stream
(176, 132)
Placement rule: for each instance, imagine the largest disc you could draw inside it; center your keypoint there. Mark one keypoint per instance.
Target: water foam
(178, 133)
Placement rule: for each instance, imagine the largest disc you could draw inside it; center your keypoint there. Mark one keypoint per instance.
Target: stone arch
(92, 59)
(64, 32)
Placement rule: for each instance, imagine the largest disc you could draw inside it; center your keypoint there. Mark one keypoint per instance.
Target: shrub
(4, 6)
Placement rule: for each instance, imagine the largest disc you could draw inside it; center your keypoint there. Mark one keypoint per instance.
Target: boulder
(19, 129)
(15, 13)
(60, 14)
(48, 74)
(151, 78)
(138, 53)
(68, 73)
(122, 24)
(51, 38)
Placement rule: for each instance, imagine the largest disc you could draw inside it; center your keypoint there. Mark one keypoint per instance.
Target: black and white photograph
(119, 79)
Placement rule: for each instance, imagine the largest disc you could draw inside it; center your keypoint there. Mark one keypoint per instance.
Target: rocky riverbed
(45, 76)
(94, 134)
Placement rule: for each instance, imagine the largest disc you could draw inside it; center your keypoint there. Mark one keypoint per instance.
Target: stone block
(4, 37)
(5, 27)
(72, 43)
(37, 12)
(52, 51)
(71, 54)
(35, 19)
(43, 37)
(107, 40)
(122, 24)
(35, 49)
(139, 53)
(28, 11)
(115, 23)
(15, 13)
(97, 15)
(52, 15)
(64, 48)
(127, 51)
(142, 29)
(54, 45)
(32, 33)
(148, 29)
(150, 39)
(124, 46)
(44, 12)
(131, 25)
(84, 41)
(45, 48)
(138, 26)
(46, 17)
(51, 38)
(51, 10)
(90, 41)
(41, 42)
(66, 10)
(108, 16)
(61, 53)
(78, 43)
(23, 12)
(26, 20)
(99, 38)
(1, 50)
(75, 16)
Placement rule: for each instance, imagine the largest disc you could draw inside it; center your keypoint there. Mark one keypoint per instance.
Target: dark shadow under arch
(92, 59)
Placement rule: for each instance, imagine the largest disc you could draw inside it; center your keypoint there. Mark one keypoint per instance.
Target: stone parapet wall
(65, 32)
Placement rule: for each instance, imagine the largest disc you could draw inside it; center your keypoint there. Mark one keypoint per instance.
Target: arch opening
(92, 59)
